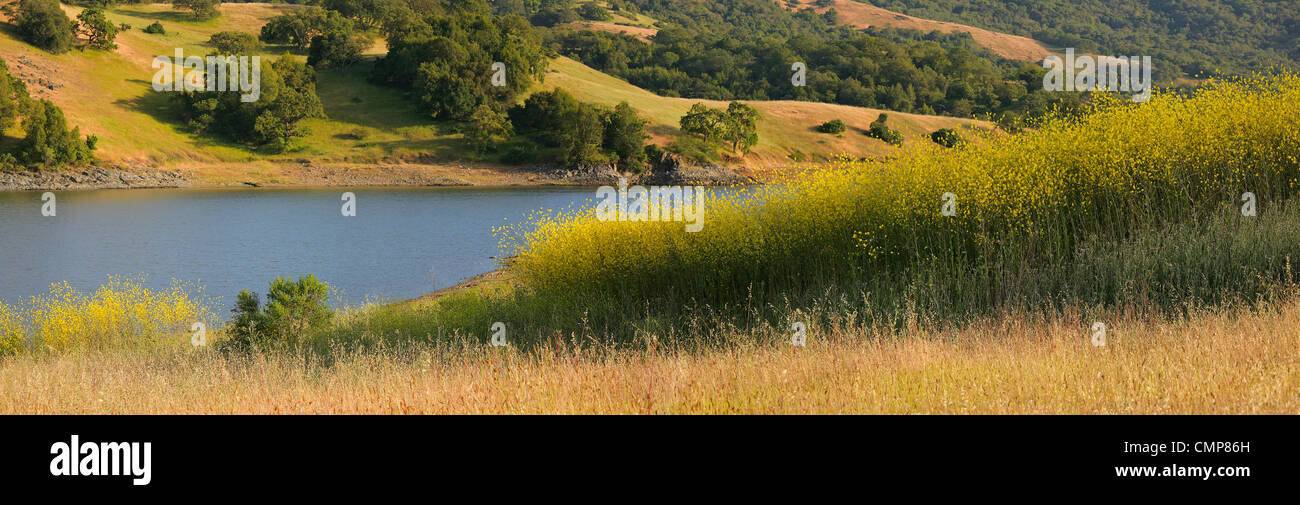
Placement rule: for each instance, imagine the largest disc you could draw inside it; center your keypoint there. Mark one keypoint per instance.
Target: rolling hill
(372, 132)
(862, 15)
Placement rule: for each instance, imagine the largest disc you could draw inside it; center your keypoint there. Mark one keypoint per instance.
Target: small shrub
(833, 126)
(155, 28)
(292, 309)
(946, 137)
(878, 130)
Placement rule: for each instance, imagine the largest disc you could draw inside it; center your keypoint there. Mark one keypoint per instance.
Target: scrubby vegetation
(121, 313)
(879, 130)
(43, 24)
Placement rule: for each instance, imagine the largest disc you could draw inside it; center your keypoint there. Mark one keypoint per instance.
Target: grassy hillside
(108, 94)
(788, 126)
(863, 15)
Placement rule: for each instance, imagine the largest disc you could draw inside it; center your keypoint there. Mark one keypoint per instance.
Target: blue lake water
(402, 243)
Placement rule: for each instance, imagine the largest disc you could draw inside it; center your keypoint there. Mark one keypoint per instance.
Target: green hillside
(108, 94)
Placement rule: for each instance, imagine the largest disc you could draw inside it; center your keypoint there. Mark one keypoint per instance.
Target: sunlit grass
(1213, 361)
(1033, 197)
(120, 313)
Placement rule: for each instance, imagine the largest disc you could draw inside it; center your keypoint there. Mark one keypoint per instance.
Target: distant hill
(108, 94)
(1185, 38)
(862, 15)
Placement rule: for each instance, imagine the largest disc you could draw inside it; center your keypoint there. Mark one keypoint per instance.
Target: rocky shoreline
(667, 172)
(89, 178)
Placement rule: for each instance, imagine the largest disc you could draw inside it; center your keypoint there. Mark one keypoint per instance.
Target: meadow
(1131, 216)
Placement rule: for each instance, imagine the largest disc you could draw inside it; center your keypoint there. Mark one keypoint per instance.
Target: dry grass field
(862, 15)
(1238, 362)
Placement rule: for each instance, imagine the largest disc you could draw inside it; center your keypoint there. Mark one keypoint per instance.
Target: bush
(43, 24)
(155, 28)
(833, 126)
(946, 137)
(878, 130)
(292, 310)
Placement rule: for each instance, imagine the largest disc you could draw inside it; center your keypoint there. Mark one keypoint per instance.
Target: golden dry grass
(862, 15)
(1235, 362)
(787, 125)
(640, 32)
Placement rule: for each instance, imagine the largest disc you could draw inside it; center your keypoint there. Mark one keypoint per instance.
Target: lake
(402, 243)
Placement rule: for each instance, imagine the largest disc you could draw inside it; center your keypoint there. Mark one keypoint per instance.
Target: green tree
(49, 142)
(486, 126)
(625, 137)
(200, 9)
(581, 141)
(97, 28)
(741, 127)
(288, 96)
(337, 49)
(43, 24)
(293, 309)
(13, 97)
(235, 43)
(300, 26)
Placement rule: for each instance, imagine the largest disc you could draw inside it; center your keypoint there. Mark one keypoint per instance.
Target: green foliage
(1186, 38)
(834, 126)
(584, 134)
(946, 137)
(235, 43)
(625, 137)
(744, 49)
(593, 12)
(155, 28)
(292, 310)
(448, 60)
(288, 96)
(43, 24)
(337, 49)
(737, 126)
(49, 143)
(879, 130)
(300, 26)
(486, 126)
(13, 97)
(98, 30)
(199, 9)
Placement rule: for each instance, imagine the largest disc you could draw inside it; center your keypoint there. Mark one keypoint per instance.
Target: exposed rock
(90, 178)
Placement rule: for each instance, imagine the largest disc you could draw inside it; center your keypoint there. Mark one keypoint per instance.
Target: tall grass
(1027, 199)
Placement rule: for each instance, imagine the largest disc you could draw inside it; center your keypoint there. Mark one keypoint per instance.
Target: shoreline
(308, 174)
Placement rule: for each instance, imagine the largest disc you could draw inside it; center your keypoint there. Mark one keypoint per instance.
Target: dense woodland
(1185, 38)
